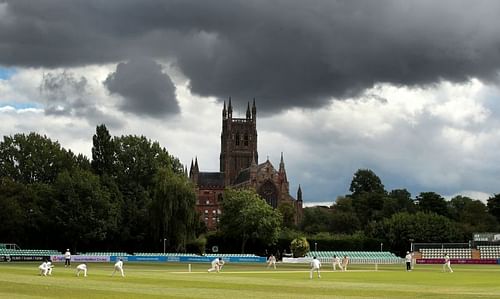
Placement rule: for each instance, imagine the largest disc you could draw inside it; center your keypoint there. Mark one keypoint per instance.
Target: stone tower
(238, 142)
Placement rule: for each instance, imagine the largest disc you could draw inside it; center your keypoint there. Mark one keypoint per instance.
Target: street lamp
(164, 245)
(381, 246)
(315, 246)
(411, 245)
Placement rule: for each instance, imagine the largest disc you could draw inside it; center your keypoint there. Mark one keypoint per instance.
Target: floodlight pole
(381, 246)
(164, 245)
(315, 246)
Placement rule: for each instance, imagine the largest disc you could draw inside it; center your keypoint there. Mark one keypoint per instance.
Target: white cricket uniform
(43, 269)
(336, 262)
(315, 265)
(447, 263)
(271, 262)
(216, 265)
(345, 262)
(49, 268)
(119, 268)
(67, 258)
(81, 268)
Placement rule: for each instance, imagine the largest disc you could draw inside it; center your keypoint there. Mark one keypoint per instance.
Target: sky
(408, 89)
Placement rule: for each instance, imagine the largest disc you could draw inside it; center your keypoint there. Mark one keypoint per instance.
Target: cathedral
(239, 168)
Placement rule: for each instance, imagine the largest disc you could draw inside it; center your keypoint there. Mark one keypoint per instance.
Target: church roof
(244, 175)
(206, 179)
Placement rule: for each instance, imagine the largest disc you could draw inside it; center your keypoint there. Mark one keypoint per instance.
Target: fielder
(49, 267)
(315, 265)
(81, 268)
(43, 269)
(336, 262)
(271, 261)
(447, 263)
(216, 265)
(118, 267)
(345, 262)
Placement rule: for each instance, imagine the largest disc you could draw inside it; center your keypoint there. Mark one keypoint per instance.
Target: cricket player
(43, 269)
(67, 258)
(345, 262)
(408, 259)
(216, 265)
(49, 267)
(271, 261)
(447, 263)
(118, 267)
(81, 268)
(336, 262)
(315, 265)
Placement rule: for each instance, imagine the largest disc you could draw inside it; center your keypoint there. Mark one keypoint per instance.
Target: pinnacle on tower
(224, 112)
(196, 164)
(248, 110)
(254, 110)
(299, 194)
(230, 109)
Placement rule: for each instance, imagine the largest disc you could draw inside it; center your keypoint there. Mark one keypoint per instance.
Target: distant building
(239, 167)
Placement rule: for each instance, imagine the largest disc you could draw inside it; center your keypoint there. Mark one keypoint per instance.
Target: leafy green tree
(471, 215)
(398, 230)
(14, 221)
(103, 152)
(173, 213)
(366, 181)
(433, 203)
(316, 219)
(299, 246)
(287, 210)
(248, 217)
(33, 158)
(494, 206)
(84, 209)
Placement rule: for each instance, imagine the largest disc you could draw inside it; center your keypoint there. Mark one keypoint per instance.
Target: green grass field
(21, 280)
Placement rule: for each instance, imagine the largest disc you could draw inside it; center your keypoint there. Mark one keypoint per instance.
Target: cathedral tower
(238, 142)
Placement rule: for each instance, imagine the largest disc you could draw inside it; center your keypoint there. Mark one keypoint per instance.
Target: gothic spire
(196, 164)
(299, 194)
(230, 109)
(254, 110)
(224, 110)
(248, 110)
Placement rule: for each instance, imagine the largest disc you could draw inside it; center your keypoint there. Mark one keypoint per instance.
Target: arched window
(245, 139)
(269, 192)
(238, 138)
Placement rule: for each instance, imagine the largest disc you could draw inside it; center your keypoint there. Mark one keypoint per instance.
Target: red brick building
(239, 168)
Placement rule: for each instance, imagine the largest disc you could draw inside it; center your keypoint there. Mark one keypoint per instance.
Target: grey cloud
(65, 94)
(145, 88)
(285, 53)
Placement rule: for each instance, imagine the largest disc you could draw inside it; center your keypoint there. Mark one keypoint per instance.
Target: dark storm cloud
(285, 53)
(144, 87)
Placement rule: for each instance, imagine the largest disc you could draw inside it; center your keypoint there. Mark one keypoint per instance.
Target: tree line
(396, 219)
(132, 195)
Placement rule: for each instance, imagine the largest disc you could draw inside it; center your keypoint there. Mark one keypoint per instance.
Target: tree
(299, 246)
(398, 230)
(288, 212)
(366, 181)
(85, 211)
(432, 202)
(103, 152)
(33, 158)
(246, 216)
(316, 219)
(173, 213)
(494, 206)
(471, 215)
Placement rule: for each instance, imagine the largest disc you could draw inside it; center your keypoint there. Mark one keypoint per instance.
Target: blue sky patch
(6, 72)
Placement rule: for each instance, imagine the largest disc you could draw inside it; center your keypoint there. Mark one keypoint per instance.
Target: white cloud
(443, 138)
